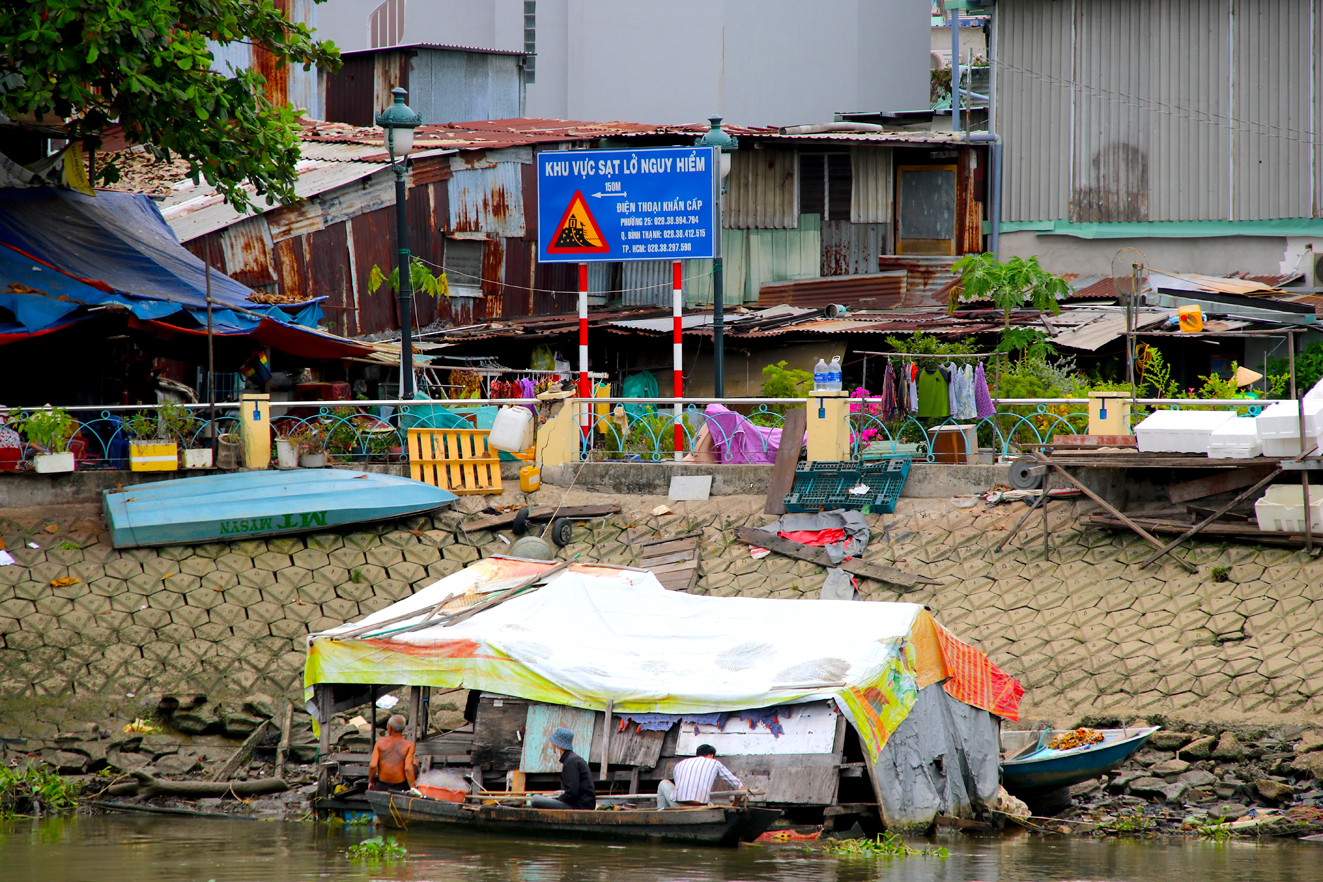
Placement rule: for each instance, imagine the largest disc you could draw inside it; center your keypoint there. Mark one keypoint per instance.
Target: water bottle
(821, 376)
(836, 382)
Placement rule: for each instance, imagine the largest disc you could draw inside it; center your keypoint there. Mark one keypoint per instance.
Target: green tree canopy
(85, 64)
(1011, 284)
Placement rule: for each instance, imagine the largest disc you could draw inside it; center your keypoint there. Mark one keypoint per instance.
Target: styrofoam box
(1179, 431)
(1283, 420)
(1282, 509)
(1237, 438)
(1281, 446)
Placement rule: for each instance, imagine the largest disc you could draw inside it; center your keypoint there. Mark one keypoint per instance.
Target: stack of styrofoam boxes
(1237, 438)
(1179, 431)
(1279, 426)
(1282, 509)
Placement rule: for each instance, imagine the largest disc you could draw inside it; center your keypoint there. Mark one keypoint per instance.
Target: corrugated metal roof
(763, 191)
(488, 200)
(873, 290)
(453, 47)
(1103, 326)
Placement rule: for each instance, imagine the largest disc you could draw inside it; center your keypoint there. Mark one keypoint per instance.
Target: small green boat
(245, 505)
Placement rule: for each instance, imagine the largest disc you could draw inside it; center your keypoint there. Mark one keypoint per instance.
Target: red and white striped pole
(677, 301)
(585, 390)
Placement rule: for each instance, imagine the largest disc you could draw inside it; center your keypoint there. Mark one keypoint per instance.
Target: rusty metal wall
(349, 93)
(374, 244)
(427, 243)
(762, 193)
(327, 252)
(555, 288)
(389, 69)
(247, 250)
(493, 277)
(517, 281)
(969, 203)
(850, 248)
(284, 83)
(871, 291)
(873, 185)
(293, 279)
(488, 200)
(451, 85)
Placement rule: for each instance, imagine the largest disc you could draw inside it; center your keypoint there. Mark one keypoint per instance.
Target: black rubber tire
(1022, 479)
(520, 525)
(562, 532)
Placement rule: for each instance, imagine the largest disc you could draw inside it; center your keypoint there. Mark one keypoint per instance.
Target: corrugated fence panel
(229, 58)
(850, 249)
(488, 200)
(455, 86)
(516, 292)
(1272, 129)
(555, 289)
(1033, 44)
(247, 247)
(374, 245)
(873, 186)
(425, 242)
(602, 282)
(761, 193)
(781, 255)
(646, 283)
(349, 91)
(328, 271)
(735, 269)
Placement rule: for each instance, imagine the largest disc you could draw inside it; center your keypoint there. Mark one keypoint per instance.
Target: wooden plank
(496, 738)
(225, 771)
(670, 547)
(689, 557)
(674, 566)
(812, 554)
(282, 750)
(631, 747)
(1273, 472)
(1222, 482)
(796, 778)
(695, 534)
(540, 720)
(543, 513)
(787, 457)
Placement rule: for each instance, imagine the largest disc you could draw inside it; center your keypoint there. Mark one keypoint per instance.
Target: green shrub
(378, 850)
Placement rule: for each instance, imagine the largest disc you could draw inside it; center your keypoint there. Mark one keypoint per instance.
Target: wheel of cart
(562, 531)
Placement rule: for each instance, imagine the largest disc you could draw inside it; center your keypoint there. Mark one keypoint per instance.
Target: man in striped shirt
(694, 778)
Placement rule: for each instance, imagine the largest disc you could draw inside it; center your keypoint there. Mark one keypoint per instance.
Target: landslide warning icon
(577, 232)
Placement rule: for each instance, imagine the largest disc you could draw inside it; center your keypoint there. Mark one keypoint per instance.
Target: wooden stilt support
(1189, 567)
(1267, 479)
(606, 739)
(322, 696)
(1040, 501)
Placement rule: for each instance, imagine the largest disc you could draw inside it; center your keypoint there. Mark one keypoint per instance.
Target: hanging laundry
(933, 394)
(952, 375)
(912, 380)
(889, 393)
(968, 407)
(982, 400)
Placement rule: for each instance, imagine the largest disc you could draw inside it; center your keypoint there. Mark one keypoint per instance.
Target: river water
(153, 849)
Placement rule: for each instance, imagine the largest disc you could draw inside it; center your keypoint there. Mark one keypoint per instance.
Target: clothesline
(904, 355)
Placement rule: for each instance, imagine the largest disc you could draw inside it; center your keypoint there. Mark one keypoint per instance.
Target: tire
(562, 532)
(520, 525)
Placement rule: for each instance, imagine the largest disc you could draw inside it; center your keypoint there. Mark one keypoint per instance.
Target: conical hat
(1245, 376)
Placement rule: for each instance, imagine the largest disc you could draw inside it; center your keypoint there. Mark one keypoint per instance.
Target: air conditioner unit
(1313, 268)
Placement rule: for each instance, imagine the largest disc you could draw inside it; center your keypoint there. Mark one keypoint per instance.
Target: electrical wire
(484, 280)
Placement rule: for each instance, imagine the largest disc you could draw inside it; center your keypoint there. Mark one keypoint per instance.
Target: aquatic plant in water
(377, 850)
(885, 845)
(35, 790)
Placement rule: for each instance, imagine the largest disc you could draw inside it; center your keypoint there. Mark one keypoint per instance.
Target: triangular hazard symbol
(577, 232)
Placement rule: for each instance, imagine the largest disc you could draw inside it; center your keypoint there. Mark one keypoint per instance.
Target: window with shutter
(463, 263)
(826, 181)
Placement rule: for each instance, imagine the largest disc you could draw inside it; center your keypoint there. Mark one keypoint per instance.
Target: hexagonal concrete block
(325, 542)
(249, 547)
(151, 618)
(289, 628)
(29, 590)
(361, 541)
(347, 558)
(384, 556)
(266, 612)
(175, 632)
(341, 609)
(302, 612)
(330, 575)
(54, 606)
(280, 594)
(160, 566)
(355, 591)
(461, 553)
(228, 613)
(234, 563)
(210, 632)
(407, 572)
(443, 568)
(422, 554)
(175, 552)
(191, 616)
(399, 538)
(392, 589)
(370, 573)
(285, 544)
(310, 559)
(211, 550)
(181, 583)
(249, 629)
(294, 576)
(47, 572)
(257, 579)
(166, 600)
(272, 561)
(197, 566)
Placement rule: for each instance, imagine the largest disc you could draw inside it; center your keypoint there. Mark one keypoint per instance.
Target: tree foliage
(85, 64)
(1011, 284)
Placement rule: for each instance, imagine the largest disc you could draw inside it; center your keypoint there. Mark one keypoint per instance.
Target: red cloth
(976, 680)
(814, 537)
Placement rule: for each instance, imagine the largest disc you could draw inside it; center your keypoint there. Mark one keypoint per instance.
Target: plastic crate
(826, 485)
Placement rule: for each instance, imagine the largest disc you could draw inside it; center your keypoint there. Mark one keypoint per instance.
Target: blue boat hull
(243, 505)
(1045, 769)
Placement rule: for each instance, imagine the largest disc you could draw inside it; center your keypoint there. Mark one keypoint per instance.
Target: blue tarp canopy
(63, 249)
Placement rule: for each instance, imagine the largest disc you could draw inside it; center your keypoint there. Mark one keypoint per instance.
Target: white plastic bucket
(512, 430)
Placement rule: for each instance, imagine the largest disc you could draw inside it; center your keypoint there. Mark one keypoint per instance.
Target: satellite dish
(1129, 274)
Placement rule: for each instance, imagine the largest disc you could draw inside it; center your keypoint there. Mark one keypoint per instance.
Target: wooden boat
(1038, 769)
(700, 825)
(242, 505)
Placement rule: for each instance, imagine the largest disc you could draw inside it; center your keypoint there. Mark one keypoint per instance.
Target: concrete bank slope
(91, 635)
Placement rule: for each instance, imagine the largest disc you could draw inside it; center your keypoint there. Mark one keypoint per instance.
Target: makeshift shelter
(64, 257)
(925, 706)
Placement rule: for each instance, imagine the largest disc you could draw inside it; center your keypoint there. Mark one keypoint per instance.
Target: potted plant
(49, 429)
(178, 422)
(287, 446)
(312, 446)
(150, 448)
(342, 437)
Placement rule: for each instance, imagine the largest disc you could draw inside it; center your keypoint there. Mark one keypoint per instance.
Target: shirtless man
(391, 767)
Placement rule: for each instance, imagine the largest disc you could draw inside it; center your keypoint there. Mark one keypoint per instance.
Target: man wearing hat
(576, 782)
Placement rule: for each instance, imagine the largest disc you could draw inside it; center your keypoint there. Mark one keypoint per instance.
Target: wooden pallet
(674, 561)
(458, 460)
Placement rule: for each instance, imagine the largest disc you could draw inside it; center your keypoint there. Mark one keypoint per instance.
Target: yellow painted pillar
(255, 429)
(559, 436)
(828, 426)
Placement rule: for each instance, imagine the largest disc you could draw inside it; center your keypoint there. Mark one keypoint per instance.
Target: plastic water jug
(837, 381)
(821, 376)
(1191, 318)
(512, 430)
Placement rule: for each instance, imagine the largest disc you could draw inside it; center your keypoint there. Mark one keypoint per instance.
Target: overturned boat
(833, 709)
(245, 505)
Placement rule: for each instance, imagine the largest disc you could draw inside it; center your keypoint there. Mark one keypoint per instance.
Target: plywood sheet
(539, 756)
(811, 728)
(630, 747)
(496, 737)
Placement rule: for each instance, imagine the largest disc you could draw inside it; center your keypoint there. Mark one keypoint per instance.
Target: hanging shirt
(888, 393)
(952, 374)
(982, 400)
(912, 380)
(933, 394)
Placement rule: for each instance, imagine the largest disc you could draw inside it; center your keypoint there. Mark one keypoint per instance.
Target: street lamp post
(399, 121)
(715, 137)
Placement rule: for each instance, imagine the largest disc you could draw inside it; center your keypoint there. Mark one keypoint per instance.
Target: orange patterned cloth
(975, 680)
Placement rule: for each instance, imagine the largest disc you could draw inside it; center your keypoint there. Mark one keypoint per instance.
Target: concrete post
(255, 429)
(828, 427)
(558, 438)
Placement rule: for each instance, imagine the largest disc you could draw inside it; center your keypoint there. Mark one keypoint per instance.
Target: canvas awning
(597, 633)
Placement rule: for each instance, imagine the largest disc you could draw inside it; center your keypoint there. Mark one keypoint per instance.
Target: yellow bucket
(1191, 319)
(153, 456)
(530, 478)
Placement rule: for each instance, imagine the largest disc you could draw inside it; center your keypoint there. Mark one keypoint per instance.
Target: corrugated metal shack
(800, 205)
(445, 83)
